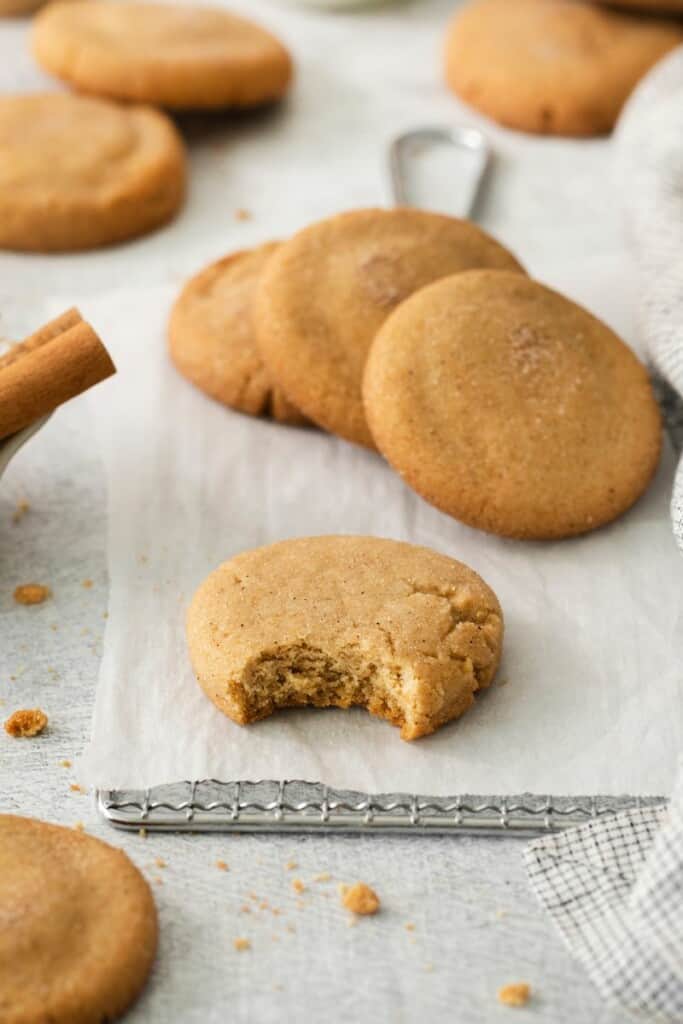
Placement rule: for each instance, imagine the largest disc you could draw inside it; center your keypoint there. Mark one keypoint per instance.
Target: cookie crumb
(75, 788)
(243, 214)
(31, 593)
(517, 994)
(20, 511)
(324, 876)
(245, 909)
(298, 885)
(160, 862)
(79, 826)
(241, 944)
(26, 722)
(222, 865)
(290, 865)
(360, 899)
(409, 926)
(142, 832)
(86, 584)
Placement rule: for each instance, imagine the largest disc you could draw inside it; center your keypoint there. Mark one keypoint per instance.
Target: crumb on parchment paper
(360, 898)
(31, 593)
(298, 885)
(243, 214)
(517, 994)
(222, 865)
(26, 722)
(241, 944)
(86, 584)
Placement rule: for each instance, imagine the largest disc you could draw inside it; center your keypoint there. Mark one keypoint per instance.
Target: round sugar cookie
(78, 926)
(211, 337)
(324, 295)
(177, 56)
(555, 67)
(401, 630)
(77, 173)
(511, 408)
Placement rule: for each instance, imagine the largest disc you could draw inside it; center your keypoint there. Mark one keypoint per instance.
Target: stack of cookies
(556, 67)
(80, 171)
(498, 400)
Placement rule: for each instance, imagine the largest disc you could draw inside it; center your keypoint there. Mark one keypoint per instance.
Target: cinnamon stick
(62, 359)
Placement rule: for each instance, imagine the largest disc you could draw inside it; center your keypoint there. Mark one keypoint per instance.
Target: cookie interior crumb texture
(517, 994)
(26, 722)
(360, 899)
(401, 630)
(31, 593)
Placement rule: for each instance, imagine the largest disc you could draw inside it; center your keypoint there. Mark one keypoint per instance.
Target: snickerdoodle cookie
(76, 173)
(78, 929)
(511, 408)
(557, 67)
(211, 337)
(323, 296)
(407, 633)
(178, 56)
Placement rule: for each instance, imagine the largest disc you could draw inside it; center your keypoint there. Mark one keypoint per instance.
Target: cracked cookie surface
(78, 926)
(339, 621)
(211, 336)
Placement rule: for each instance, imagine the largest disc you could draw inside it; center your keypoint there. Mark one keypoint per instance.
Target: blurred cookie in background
(552, 67)
(79, 172)
(181, 57)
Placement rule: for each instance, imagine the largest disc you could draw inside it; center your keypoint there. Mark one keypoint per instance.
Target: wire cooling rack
(292, 806)
(310, 807)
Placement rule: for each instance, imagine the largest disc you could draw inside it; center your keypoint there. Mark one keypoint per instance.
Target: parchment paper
(589, 692)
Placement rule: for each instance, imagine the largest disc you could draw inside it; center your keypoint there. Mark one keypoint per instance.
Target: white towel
(615, 888)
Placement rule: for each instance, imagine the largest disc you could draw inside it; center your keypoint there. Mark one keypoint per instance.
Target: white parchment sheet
(589, 693)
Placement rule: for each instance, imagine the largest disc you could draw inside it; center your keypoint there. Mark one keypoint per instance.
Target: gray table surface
(477, 925)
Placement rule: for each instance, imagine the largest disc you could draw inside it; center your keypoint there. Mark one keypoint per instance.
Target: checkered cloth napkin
(614, 887)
